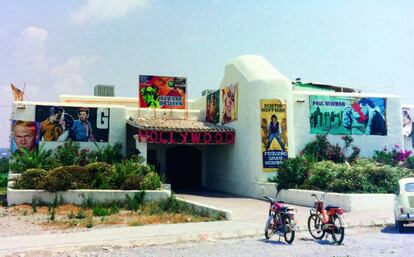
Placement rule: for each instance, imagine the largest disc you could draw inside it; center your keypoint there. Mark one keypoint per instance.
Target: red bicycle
(326, 220)
(281, 220)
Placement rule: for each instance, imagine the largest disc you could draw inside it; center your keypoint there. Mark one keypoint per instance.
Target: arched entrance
(183, 167)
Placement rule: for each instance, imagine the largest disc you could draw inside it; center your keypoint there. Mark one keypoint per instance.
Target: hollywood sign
(186, 137)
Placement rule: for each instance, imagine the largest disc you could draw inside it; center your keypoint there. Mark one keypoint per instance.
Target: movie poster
(273, 127)
(213, 107)
(24, 134)
(407, 129)
(229, 97)
(162, 92)
(347, 115)
(83, 124)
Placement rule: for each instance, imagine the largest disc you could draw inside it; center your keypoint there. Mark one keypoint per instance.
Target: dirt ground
(23, 220)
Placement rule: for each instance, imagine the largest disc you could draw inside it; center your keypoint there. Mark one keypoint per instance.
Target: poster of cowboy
(347, 115)
(162, 92)
(273, 127)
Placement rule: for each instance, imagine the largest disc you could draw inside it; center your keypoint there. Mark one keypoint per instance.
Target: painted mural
(229, 97)
(25, 134)
(273, 127)
(162, 92)
(347, 115)
(85, 124)
(213, 107)
(407, 128)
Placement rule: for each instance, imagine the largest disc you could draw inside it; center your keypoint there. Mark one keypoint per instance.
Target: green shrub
(4, 165)
(322, 174)
(67, 153)
(410, 162)
(67, 177)
(351, 179)
(31, 179)
(110, 154)
(151, 181)
(292, 173)
(100, 210)
(100, 174)
(317, 148)
(132, 182)
(39, 158)
(4, 178)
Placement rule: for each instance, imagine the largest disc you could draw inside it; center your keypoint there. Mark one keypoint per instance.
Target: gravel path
(358, 242)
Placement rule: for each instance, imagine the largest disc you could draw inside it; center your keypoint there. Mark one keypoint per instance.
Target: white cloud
(101, 10)
(40, 70)
(67, 78)
(31, 49)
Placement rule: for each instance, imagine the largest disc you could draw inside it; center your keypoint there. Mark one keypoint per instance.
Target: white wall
(117, 123)
(236, 168)
(367, 143)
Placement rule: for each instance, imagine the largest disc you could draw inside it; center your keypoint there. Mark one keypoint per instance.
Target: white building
(227, 158)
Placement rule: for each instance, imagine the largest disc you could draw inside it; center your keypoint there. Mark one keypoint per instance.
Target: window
(409, 187)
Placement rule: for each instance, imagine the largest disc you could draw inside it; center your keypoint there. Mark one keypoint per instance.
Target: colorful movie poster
(213, 107)
(61, 123)
(24, 134)
(229, 97)
(347, 115)
(162, 92)
(273, 127)
(407, 129)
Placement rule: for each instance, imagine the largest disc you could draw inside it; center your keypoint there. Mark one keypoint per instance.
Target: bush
(322, 174)
(31, 179)
(410, 162)
(100, 174)
(4, 178)
(317, 148)
(110, 154)
(151, 181)
(292, 173)
(39, 158)
(132, 182)
(66, 177)
(4, 165)
(67, 153)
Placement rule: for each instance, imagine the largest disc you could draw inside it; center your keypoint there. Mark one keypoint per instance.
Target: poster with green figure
(341, 115)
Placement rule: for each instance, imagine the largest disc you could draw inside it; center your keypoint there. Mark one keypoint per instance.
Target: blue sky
(67, 47)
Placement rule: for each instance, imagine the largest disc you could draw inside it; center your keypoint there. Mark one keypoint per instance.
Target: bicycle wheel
(315, 226)
(338, 233)
(289, 234)
(269, 227)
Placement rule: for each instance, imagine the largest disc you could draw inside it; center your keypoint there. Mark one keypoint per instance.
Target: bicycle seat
(331, 207)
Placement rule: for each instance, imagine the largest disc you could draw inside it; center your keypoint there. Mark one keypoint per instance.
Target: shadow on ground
(393, 230)
(274, 241)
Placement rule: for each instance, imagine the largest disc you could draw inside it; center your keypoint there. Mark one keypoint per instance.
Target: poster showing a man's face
(25, 134)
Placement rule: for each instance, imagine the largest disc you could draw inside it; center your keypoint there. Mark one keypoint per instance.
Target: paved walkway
(248, 218)
(256, 211)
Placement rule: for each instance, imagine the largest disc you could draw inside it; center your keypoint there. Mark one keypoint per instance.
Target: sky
(67, 47)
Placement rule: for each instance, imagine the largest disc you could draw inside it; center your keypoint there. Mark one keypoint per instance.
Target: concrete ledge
(349, 202)
(207, 208)
(17, 196)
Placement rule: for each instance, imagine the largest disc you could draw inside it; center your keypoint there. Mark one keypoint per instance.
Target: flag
(17, 93)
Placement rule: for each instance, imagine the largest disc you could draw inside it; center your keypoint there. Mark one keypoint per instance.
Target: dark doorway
(183, 167)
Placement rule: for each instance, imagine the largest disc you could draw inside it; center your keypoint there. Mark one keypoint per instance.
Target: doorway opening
(183, 167)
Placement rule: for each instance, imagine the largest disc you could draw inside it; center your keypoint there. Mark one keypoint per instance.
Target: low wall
(18, 196)
(349, 202)
(213, 211)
